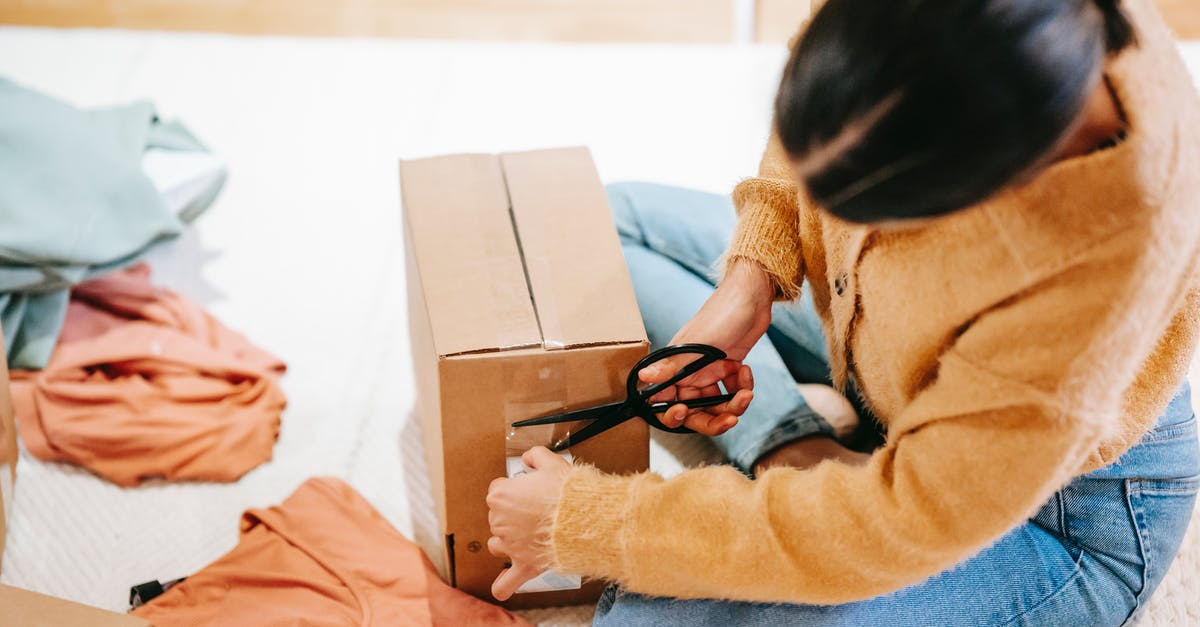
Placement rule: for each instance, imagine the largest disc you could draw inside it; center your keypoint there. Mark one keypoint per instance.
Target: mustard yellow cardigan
(1008, 347)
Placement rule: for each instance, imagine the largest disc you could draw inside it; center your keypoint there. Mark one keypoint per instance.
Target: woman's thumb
(663, 369)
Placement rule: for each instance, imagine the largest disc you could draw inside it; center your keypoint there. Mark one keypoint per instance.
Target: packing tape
(546, 302)
(538, 386)
(500, 288)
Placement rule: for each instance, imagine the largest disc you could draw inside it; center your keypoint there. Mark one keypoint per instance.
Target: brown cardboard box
(8, 449)
(30, 609)
(520, 305)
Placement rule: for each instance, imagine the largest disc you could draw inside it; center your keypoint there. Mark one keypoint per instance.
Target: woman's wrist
(750, 281)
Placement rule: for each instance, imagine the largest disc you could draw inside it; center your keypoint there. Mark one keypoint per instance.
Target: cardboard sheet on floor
(520, 305)
(30, 609)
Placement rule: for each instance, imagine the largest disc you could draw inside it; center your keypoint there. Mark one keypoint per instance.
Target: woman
(993, 209)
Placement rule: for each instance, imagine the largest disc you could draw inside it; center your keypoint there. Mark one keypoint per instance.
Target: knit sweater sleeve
(1019, 401)
(768, 208)
(767, 231)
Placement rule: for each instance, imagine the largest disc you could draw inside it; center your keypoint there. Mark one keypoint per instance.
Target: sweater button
(839, 284)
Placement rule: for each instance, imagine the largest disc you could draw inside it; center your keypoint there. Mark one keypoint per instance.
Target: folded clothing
(145, 383)
(76, 202)
(323, 557)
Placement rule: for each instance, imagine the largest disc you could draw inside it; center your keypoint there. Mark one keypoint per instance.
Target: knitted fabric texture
(1008, 347)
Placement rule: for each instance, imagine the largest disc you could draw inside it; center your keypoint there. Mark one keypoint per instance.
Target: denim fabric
(1092, 555)
(672, 239)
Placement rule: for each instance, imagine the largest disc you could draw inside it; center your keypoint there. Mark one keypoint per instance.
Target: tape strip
(546, 303)
(535, 385)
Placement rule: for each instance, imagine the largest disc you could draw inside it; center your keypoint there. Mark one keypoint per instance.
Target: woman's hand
(732, 319)
(520, 514)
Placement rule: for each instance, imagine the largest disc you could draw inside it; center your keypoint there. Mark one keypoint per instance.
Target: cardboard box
(520, 305)
(8, 449)
(30, 609)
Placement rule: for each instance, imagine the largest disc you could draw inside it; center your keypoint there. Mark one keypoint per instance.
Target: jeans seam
(1075, 575)
(1136, 517)
(1169, 491)
(1186, 486)
(1158, 435)
(1062, 515)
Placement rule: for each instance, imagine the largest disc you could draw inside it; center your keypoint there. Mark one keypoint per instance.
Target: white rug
(302, 252)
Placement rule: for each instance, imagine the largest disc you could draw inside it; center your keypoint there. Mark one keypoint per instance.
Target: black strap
(143, 593)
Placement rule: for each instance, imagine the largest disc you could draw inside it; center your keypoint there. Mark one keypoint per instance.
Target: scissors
(636, 403)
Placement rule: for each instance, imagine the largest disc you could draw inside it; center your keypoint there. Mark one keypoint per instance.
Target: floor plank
(778, 20)
(1183, 16)
(531, 20)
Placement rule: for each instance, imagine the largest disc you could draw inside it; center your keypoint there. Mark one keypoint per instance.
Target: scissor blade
(570, 416)
(598, 426)
(694, 403)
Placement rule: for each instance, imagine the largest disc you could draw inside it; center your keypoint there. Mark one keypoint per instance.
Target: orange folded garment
(323, 557)
(145, 383)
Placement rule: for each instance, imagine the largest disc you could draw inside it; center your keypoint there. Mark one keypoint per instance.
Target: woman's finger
(509, 580)
(676, 415)
(540, 457)
(743, 379)
(687, 393)
(701, 420)
(668, 394)
(711, 424)
(665, 369)
(735, 407)
(711, 390)
(496, 547)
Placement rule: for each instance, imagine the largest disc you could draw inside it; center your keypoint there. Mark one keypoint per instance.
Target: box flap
(30, 609)
(476, 294)
(577, 275)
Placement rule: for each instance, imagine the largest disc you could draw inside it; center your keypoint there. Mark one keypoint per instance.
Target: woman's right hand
(733, 319)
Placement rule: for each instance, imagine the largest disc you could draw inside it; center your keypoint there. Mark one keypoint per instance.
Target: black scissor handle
(708, 354)
(638, 398)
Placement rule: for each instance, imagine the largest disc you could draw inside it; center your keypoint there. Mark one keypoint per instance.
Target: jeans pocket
(1185, 429)
(1161, 510)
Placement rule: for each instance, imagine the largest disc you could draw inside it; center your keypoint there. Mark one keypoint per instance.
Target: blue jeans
(1092, 555)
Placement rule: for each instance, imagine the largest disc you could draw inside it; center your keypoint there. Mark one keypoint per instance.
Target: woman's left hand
(521, 511)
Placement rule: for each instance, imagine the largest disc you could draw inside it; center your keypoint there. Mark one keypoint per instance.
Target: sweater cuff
(768, 232)
(588, 535)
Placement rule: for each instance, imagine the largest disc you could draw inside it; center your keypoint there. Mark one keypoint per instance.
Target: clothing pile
(145, 383)
(76, 203)
(134, 381)
(109, 372)
(323, 557)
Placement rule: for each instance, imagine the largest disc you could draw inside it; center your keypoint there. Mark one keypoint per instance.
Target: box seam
(512, 218)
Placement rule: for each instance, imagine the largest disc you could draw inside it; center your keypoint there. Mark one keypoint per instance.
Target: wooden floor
(778, 20)
(1184, 17)
(538, 20)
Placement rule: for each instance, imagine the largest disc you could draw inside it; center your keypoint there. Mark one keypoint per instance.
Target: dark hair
(917, 108)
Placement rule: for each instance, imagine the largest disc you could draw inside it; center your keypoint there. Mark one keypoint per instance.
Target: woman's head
(901, 109)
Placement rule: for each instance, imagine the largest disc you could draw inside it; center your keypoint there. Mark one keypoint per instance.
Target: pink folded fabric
(144, 383)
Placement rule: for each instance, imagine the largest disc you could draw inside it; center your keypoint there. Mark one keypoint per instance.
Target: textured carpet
(302, 252)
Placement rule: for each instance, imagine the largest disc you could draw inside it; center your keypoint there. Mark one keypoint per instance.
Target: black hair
(900, 109)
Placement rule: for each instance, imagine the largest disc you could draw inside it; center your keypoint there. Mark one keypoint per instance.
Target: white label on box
(550, 580)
